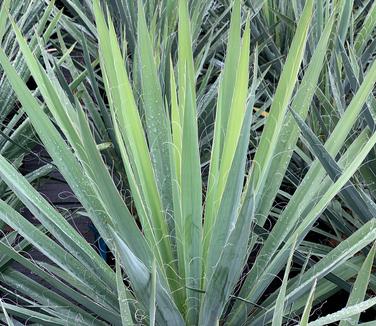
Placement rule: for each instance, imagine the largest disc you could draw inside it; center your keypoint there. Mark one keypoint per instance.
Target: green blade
(344, 313)
(280, 302)
(308, 306)
(360, 287)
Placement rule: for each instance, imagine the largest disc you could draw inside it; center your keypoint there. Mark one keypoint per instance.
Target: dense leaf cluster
(223, 150)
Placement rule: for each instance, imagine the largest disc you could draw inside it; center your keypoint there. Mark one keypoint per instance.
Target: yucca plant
(184, 244)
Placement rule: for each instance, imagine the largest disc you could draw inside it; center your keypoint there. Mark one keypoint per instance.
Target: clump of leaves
(184, 259)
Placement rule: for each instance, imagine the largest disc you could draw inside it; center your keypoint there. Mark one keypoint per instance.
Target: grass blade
(360, 287)
(344, 313)
(125, 312)
(280, 303)
(7, 318)
(308, 307)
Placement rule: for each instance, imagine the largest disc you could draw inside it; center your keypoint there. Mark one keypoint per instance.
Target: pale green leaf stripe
(7, 318)
(344, 313)
(176, 127)
(175, 163)
(156, 120)
(153, 293)
(134, 183)
(226, 90)
(191, 197)
(346, 7)
(360, 287)
(237, 112)
(3, 18)
(191, 189)
(107, 190)
(280, 302)
(185, 62)
(123, 296)
(230, 110)
(232, 164)
(308, 307)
